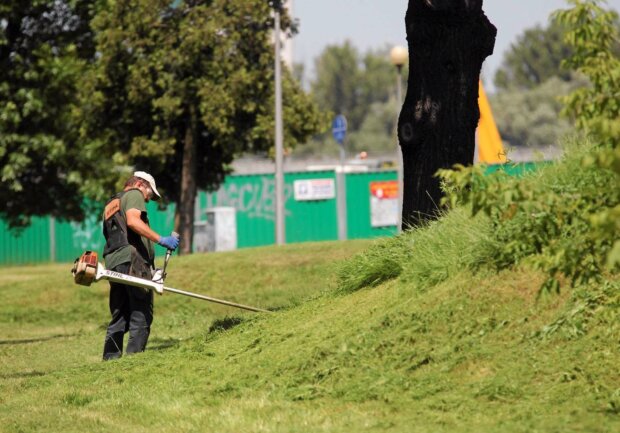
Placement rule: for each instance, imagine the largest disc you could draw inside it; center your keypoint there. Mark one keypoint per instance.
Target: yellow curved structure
(490, 148)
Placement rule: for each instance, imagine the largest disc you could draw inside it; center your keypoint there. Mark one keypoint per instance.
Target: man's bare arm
(135, 223)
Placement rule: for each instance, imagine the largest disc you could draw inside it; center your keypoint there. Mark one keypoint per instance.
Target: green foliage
(363, 88)
(606, 221)
(534, 58)
(196, 74)
(531, 117)
(92, 89)
(379, 76)
(377, 133)
(593, 35)
(545, 219)
(536, 75)
(336, 87)
(43, 50)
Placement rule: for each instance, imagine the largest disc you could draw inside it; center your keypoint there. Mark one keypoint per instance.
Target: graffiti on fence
(256, 200)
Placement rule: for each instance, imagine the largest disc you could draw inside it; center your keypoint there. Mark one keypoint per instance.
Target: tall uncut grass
(542, 220)
(423, 257)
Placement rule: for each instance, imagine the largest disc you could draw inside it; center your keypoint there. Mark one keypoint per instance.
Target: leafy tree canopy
(200, 71)
(181, 89)
(531, 117)
(43, 49)
(337, 84)
(594, 35)
(535, 57)
(363, 88)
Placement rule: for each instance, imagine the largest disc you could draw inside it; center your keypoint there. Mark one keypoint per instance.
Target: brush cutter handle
(168, 254)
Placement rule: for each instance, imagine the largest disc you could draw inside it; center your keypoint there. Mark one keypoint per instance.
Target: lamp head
(399, 55)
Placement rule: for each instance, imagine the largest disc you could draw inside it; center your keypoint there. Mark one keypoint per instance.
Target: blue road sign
(339, 128)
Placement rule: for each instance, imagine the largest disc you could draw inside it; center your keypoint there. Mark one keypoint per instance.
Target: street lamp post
(398, 56)
(339, 130)
(279, 171)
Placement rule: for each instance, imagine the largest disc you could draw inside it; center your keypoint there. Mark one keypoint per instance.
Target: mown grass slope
(477, 352)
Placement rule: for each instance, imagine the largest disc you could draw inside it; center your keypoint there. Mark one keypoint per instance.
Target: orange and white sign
(384, 203)
(385, 189)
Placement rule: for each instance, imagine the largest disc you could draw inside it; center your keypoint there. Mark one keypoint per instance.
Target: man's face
(146, 190)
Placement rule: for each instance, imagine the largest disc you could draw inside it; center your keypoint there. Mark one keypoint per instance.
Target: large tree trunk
(187, 197)
(448, 41)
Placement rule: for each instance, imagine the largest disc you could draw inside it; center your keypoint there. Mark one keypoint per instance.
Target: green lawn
(473, 353)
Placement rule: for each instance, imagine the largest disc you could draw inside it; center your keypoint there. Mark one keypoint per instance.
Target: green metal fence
(29, 245)
(253, 197)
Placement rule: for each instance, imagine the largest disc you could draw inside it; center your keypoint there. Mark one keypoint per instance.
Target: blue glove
(169, 242)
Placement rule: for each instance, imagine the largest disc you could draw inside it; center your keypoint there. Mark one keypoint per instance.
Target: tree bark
(448, 41)
(184, 218)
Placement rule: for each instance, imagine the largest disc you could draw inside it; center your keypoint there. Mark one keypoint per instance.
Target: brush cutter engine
(85, 268)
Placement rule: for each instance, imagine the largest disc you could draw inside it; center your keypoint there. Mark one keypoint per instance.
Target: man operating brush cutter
(129, 257)
(129, 250)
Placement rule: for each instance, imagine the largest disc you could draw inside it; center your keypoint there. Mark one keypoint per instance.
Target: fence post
(52, 221)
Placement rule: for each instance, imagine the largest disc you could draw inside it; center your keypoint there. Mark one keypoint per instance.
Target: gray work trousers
(132, 311)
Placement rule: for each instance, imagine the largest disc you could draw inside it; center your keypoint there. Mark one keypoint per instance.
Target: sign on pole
(339, 128)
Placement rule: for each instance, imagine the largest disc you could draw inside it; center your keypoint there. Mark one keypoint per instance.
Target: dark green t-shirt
(132, 199)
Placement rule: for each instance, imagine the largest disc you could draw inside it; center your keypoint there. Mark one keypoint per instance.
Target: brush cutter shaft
(217, 301)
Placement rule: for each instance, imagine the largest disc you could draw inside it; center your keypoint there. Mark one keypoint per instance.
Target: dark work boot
(113, 347)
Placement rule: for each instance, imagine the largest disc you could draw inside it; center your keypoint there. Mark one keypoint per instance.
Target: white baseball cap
(145, 176)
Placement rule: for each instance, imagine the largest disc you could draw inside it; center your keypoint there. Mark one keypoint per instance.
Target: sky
(373, 24)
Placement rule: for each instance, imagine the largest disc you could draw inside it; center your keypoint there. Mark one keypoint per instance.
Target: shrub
(549, 218)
